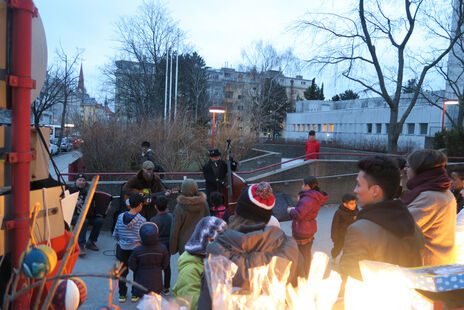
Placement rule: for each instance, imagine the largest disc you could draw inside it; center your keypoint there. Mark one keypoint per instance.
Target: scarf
(435, 179)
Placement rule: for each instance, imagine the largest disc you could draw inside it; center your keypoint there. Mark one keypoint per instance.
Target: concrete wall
(266, 159)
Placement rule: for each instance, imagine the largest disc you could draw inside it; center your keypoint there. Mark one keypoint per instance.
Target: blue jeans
(97, 223)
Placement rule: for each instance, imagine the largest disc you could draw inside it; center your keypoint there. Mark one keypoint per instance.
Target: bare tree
(266, 65)
(68, 77)
(145, 39)
(379, 33)
(50, 95)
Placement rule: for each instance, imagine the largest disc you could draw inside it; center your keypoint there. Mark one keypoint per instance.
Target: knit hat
(135, 199)
(256, 202)
(189, 187)
(80, 176)
(205, 232)
(148, 165)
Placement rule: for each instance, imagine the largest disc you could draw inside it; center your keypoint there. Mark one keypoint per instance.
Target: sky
(218, 30)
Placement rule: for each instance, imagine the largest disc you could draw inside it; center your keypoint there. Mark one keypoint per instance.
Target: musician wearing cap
(214, 172)
(93, 218)
(148, 183)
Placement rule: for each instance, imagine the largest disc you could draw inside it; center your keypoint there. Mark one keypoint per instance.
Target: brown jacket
(435, 213)
(187, 213)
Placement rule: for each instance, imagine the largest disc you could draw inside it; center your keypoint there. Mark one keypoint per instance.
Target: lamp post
(445, 102)
(215, 110)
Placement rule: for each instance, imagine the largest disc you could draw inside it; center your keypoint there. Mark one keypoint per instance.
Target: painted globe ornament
(82, 289)
(66, 296)
(39, 261)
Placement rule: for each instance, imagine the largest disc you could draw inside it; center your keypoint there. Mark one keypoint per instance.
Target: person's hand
(167, 193)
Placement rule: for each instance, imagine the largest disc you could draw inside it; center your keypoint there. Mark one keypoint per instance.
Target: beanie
(205, 232)
(256, 202)
(189, 187)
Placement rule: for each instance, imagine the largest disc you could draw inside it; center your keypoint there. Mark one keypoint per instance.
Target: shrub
(450, 140)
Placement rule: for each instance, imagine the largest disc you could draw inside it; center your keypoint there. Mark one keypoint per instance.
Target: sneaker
(91, 246)
(122, 299)
(82, 251)
(166, 292)
(135, 298)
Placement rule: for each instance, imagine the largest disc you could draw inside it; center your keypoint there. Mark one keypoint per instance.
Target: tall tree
(313, 92)
(367, 42)
(50, 94)
(145, 39)
(276, 105)
(410, 87)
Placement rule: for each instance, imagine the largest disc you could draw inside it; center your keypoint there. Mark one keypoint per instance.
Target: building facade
(364, 123)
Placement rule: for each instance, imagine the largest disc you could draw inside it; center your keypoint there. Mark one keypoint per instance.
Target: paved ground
(62, 161)
(101, 262)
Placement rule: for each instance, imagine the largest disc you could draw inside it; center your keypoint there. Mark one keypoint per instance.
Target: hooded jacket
(126, 231)
(189, 270)
(248, 247)
(384, 232)
(304, 215)
(148, 260)
(187, 213)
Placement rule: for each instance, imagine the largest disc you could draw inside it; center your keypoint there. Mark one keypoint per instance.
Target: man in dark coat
(93, 216)
(384, 231)
(148, 183)
(147, 154)
(214, 172)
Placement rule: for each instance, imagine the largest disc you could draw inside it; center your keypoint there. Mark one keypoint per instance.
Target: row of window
(409, 128)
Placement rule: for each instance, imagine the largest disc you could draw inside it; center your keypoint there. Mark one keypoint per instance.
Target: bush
(450, 140)
(114, 146)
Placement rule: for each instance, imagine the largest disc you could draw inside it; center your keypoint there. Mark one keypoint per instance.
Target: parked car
(53, 149)
(66, 146)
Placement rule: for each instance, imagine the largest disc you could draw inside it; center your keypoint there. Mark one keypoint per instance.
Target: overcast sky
(217, 29)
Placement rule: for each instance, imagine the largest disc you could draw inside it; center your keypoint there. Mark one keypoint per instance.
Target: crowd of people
(401, 212)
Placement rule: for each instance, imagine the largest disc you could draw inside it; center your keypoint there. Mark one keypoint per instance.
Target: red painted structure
(21, 84)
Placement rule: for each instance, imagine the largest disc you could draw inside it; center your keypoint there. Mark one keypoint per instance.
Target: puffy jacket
(148, 260)
(435, 213)
(312, 147)
(189, 270)
(383, 232)
(187, 213)
(304, 215)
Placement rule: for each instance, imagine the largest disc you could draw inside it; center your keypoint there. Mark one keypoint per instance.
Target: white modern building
(363, 123)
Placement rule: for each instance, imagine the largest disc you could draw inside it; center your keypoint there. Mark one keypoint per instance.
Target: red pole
(212, 136)
(443, 117)
(21, 84)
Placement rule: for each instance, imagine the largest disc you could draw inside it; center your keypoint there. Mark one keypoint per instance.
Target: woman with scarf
(432, 204)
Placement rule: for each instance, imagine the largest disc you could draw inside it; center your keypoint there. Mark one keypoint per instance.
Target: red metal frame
(21, 83)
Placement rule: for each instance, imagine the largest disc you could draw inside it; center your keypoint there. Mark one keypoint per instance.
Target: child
(304, 225)
(218, 209)
(147, 261)
(190, 265)
(126, 233)
(343, 217)
(163, 219)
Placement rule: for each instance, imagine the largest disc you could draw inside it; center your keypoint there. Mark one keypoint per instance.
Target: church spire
(81, 81)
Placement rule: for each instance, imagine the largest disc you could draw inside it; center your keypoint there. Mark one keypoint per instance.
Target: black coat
(214, 181)
(343, 218)
(148, 260)
(93, 212)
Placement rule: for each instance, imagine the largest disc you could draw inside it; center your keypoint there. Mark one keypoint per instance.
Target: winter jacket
(312, 147)
(189, 270)
(250, 247)
(187, 213)
(435, 213)
(126, 231)
(164, 222)
(148, 260)
(304, 215)
(383, 232)
(214, 181)
(343, 218)
(137, 183)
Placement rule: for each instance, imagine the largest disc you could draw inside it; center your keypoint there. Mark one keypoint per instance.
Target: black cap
(81, 175)
(214, 152)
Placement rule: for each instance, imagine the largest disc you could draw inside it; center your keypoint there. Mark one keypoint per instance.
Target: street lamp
(215, 110)
(445, 102)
